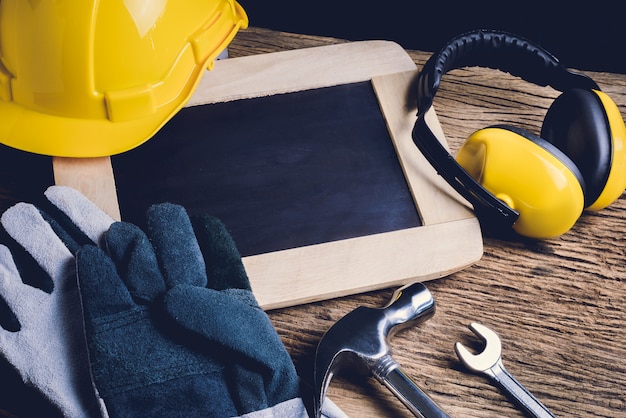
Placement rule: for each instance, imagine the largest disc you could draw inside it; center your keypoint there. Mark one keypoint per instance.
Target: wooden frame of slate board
(443, 237)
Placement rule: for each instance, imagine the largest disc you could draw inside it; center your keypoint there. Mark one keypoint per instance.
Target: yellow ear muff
(529, 175)
(586, 125)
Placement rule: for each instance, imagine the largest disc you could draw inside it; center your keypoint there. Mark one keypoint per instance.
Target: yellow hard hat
(95, 78)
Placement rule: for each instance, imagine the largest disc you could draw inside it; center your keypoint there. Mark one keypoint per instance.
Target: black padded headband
(501, 51)
(491, 49)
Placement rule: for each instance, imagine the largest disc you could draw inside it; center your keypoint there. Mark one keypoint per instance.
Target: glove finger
(23, 300)
(132, 253)
(175, 244)
(82, 213)
(8, 320)
(29, 270)
(75, 219)
(102, 291)
(8, 287)
(25, 224)
(43, 241)
(223, 260)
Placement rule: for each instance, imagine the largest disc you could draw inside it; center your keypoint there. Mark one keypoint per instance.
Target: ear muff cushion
(616, 183)
(577, 124)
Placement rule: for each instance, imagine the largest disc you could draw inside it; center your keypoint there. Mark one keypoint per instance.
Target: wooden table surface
(559, 306)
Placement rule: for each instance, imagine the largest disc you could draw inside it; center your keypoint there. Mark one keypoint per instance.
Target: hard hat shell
(95, 78)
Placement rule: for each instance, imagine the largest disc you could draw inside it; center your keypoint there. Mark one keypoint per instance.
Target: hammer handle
(420, 404)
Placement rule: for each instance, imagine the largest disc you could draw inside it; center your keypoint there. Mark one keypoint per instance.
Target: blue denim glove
(173, 328)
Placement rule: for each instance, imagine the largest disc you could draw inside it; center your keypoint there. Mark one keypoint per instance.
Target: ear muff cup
(577, 124)
(552, 150)
(528, 174)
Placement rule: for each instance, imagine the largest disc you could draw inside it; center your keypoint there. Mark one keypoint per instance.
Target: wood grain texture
(558, 305)
(93, 177)
(301, 69)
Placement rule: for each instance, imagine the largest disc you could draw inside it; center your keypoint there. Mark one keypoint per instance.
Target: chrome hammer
(360, 340)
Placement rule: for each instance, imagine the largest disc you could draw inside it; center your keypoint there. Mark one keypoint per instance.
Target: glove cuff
(295, 408)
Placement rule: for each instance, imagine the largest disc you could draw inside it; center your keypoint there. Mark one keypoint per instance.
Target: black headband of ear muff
(501, 51)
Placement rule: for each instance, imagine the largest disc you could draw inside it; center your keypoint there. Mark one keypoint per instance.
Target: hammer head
(360, 340)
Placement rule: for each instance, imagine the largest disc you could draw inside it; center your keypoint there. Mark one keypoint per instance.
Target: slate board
(306, 156)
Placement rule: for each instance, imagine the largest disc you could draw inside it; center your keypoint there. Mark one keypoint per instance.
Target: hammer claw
(359, 340)
(322, 382)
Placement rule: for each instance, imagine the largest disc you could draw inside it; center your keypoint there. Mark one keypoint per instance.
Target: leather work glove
(41, 334)
(173, 328)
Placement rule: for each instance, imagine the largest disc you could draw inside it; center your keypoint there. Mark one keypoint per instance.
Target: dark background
(586, 35)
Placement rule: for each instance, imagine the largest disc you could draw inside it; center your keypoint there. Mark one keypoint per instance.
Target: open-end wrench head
(488, 357)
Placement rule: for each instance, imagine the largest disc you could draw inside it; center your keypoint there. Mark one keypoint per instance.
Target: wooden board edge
(362, 264)
(435, 199)
(93, 177)
(299, 69)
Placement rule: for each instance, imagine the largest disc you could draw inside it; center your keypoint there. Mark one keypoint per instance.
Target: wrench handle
(526, 400)
(418, 402)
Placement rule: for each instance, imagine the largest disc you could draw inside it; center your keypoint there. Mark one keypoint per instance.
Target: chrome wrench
(489, 362)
